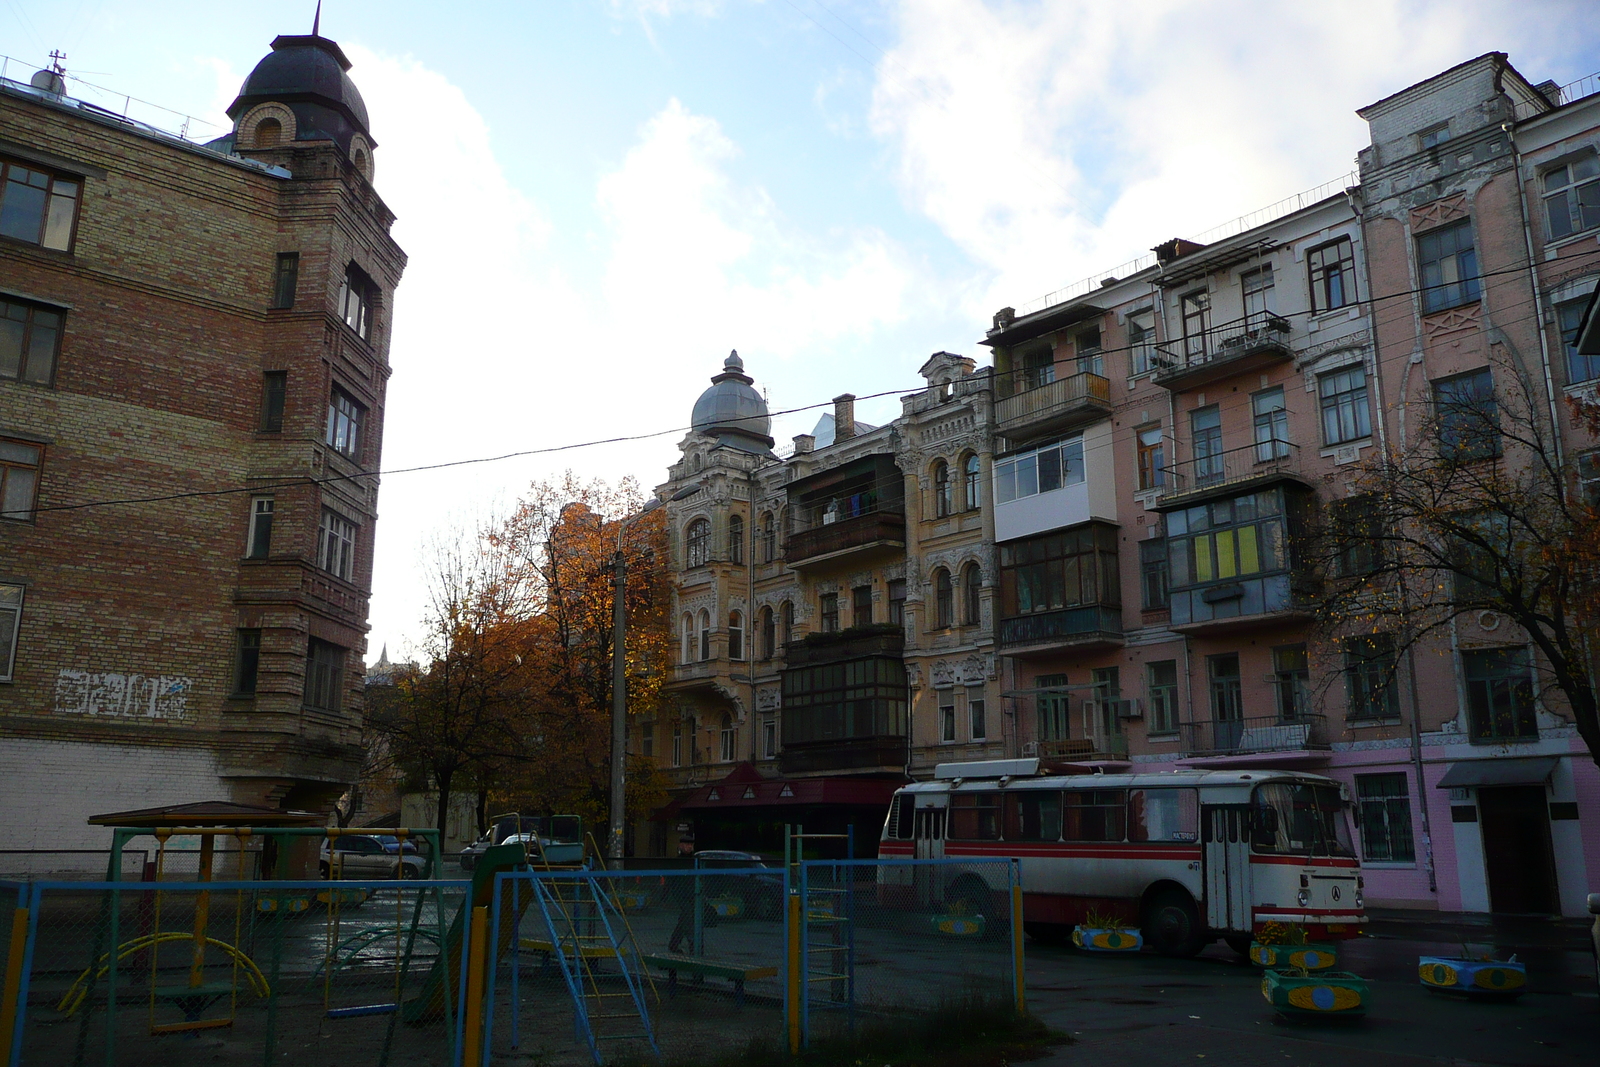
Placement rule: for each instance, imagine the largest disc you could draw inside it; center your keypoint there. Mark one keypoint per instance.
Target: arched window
(697, 543)
(268, 133)
(943, 599)
(941, 489)
(769, 538)
(971, 583)
(970, 479)
(788, 621)
(735, 635)
(727, 738)
(735, 539)
(769, 634)
(688, 639)
(705, 635)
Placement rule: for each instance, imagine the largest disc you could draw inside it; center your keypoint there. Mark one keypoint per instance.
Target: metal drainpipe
(1416, 761)
(1538, 299)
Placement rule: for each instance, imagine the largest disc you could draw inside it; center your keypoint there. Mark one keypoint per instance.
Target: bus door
(1227, 860)
(929, 826)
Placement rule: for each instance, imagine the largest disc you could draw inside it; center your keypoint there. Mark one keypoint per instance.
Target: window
(1572, 197)
(10, 626)
(735, 635)
(769, 538)
(788, 621)
(1105, 724)
(726, 737)
(1260, 297)
(1196, 309)
(1479, 549)
(975, 816)
(697, 543)
(1161, 694)
(1226, 700)
(947, 715)
(1360, 535)
(259, 539)
(1469, 418)
(835, 702)
(246, 661)
(1163, 815)
(897, 601)
(1033, 815)
(647, 740)
(1333, 275)
(828, 610)
(1449, 266)
(1370, 677)
(1226, 540)
(1304, 820)
(1039, 470)
(1051, 703)
(324, 675)
(1152, 457)
(336, 545)
(274, 391)
(705, 635)
(19, 479)
(285, 275)
(971, 595)
(1499, 694)
(355, 302)
(1142, 341)
(1153, 574)
(861, 606)
(1589, 478)
(687, 631)
(36, 206)
(344, 423)
(941, 489)
(769, 739)
(735, 539)
(769, 634)
(1094, 815)
(1434, 136)
(677, 744)
(1271, 424)
(976, 719)
(268, 133)
(1205, 429)
(944, 600)
(1065, 570)
(1090, 359)
(1038, 367)
(1384, 812)
(1291, 676)
(1580, 368)
(1345, 415)
(30, 336)
(972, 482)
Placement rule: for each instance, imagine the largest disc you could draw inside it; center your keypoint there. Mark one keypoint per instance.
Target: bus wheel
(1172, 924)
(1240, 943)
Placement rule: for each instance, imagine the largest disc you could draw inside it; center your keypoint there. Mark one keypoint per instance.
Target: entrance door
(1516, 849)
(1227, 857)
(1227, 703)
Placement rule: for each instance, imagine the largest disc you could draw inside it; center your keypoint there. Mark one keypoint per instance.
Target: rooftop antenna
(316, 21)
(58, 57)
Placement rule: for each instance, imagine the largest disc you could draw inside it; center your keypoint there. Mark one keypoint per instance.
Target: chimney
(803, 443)
(844, 416)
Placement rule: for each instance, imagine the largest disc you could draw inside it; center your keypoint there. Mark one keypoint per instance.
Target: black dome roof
(307, 73)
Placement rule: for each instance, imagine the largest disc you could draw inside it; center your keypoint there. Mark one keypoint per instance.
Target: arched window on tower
(735, 635)
(971, 482)
(943, 599)
(941, 489)
(268, 133)
(705, 635)
(735, 539)
(971, 585)
(697, 543)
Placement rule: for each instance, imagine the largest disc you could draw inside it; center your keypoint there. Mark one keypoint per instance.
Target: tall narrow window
(769, 634)
(10, 624)
(897, 601)
(30, 337)
(1050, 695)
(1271, 424)
(324, 675)
(735, 635)
(861, 606)
(38, 207)
(687, 639)
(1500, 694)
(1580, 368)
(1152, 457)
(1038, 367)
(944, 600)
(1090, 359)
(1345, 412)
(1205, 426)
(260, 536)
(19, 478)
(1370, 677)
(647, 740)
(1161, 693)
(1260, 297)
(355, 301)
(972, 481)
(787, 615)
(1227, 703)
(1196, 309)
(977, 718)
(336, 545)
(1142, 341)
(828, 611)
(1153, 570)
(1468, 416)
(677, 744)
(941, 489)
(1333, 275)
(1291, 675)
(705, 635)
(727, 738)
(735, 539)
(1448, 263)
(1572, 197)
(769, 538)
(285, 276)
(1383, 809)
(947, 715)
(247, 660)
(971, 595)
(697, 543)
(274, 392)
(345, 417)
(769, 739)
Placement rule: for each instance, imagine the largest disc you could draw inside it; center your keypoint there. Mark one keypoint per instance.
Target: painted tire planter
(725, 907)
(632, 899)
(1095, 939)
(959, 925)
(1312, 957)
(1330, 994)
(1473, 978)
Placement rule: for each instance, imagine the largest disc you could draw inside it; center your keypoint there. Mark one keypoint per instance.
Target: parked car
(393, 844)
(761, 894)
(561, 842)
(364, 856)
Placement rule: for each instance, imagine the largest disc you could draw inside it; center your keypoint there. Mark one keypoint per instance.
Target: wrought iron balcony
(1238, 737)
(1082, 627)
(1235, 347)
(1236, 470)
(1033, 407)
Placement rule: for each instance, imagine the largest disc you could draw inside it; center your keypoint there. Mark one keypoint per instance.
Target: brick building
(207, 326)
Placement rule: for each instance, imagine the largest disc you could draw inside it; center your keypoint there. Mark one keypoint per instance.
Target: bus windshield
(1300, 819)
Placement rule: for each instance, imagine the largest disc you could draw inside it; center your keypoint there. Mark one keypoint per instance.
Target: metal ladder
(827, 926)
(586, 929)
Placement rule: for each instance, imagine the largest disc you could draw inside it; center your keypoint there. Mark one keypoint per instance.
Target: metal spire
(316, 21)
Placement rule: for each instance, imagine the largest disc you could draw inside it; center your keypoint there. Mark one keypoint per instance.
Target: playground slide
(428, 1005)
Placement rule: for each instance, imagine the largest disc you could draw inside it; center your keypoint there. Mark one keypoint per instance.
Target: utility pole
(619, 700)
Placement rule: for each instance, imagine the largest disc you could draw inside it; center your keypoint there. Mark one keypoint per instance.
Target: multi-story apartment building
(834, 611)
(193, 361)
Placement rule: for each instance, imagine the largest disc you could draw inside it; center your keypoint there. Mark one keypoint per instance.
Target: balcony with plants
(841, 515)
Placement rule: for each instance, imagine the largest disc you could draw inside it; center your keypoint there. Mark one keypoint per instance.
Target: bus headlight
(1305, 897)
(1361, 898)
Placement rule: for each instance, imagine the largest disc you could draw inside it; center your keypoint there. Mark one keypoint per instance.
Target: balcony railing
(1231, 347)
(1084, 395)
(1070, 626)
(857, 531)
(1230, 737)
(1215, 473)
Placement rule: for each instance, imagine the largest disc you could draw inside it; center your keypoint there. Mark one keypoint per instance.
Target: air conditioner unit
(1030, 749)
(1129, 708)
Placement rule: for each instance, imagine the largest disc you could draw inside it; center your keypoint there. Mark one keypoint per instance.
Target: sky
(601, 198)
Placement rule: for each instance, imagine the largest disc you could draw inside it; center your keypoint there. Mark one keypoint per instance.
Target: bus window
(1033, 815)
(1163, 815)
(1295, 818)
(975, 817)
(900, 817)
(1094, 815)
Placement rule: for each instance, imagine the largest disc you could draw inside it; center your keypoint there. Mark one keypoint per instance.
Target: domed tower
(301, 91)
(732, 411)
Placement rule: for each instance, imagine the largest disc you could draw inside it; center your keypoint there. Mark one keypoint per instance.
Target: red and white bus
(1187, 856)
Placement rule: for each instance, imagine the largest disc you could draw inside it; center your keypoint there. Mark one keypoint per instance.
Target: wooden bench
(737, 973)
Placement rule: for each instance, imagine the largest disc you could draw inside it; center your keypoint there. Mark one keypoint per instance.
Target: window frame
(736, 635)
(972, 482)
(347, 418)
(1440, 293)
(703, 621)
(828, 613)
(1217, 526)
(769, 632)
(697, 543)
(1152, 456)
(324, 675)
(736, 539)
(1270, 425)
(246, 660)
(1155, 570)
(1569, 319)
(274, 400)
(358, 303)
(1087, 345)
(1029, 468)
(28, 336)
(12, 468)
(941, 490)
(1063, 570)
(1467, 416)
(971, 595)
(337, 537)
(896, 596)
(1142, 340)
(1345, 405)
(1053, 709)
(1324, 274)
(1194, 309)
(51, 198)
(727, 748)
(285, 280)
(1377, 802)
(1161, 698)
(1371, 678)
(947, 716)
(1205, 441)
(943, 599)
(977, 718)
(1480, 683)
(258, 534)
(1572, 205)
(13, 600)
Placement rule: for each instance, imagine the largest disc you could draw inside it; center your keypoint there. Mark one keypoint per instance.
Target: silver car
(361, 856)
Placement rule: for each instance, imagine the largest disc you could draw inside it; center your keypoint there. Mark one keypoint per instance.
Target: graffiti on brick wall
(123, 696)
